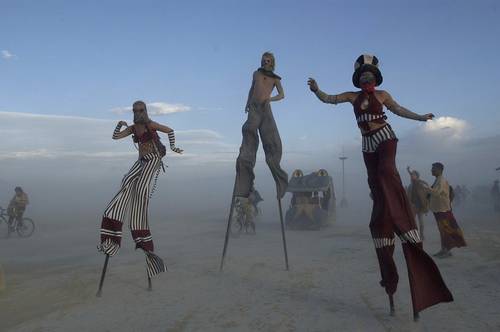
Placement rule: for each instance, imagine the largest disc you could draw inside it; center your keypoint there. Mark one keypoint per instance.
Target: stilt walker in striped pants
(132, 200)
(391, 214)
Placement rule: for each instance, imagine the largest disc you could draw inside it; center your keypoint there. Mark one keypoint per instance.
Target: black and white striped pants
(131, 202)
(371, 141)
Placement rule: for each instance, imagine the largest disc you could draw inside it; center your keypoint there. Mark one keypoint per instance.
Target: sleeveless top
(374, 112)
(146, 136)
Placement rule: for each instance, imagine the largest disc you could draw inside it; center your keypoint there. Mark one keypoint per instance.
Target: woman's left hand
(428, 116)
(177, 150)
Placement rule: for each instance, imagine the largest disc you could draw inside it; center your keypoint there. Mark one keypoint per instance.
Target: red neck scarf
(368, 88)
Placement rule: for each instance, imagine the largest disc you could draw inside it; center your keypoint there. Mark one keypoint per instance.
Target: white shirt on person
(440, 195)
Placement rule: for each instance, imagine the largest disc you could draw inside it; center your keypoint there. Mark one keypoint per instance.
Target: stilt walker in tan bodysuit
(260, 121)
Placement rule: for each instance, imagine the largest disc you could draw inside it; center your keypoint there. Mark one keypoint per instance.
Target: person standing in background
(440, 204)
(417, 195)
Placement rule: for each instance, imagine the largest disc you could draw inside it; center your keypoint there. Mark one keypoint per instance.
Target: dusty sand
(51, 281)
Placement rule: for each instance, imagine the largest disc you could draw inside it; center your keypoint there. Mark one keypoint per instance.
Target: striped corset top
(367, 109)
(368, 117)
(371, 141)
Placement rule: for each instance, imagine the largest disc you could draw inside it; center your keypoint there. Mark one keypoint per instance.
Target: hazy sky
(69, 71)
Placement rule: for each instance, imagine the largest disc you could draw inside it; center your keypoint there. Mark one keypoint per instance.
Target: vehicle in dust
(313, 202)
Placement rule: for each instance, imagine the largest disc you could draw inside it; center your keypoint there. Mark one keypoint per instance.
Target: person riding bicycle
(16, 207)
(247, 210)
(254, 198)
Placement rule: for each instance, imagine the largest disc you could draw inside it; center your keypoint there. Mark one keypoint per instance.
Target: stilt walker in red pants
(391, 214)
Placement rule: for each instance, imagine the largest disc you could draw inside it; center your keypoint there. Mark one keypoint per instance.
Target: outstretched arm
(117, 134)
(171, 136)
(281, 93)
(330, 99)
(395, 108)
(159, 127)
(334, 99)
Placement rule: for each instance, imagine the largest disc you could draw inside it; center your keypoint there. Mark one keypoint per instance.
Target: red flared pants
(392, 215)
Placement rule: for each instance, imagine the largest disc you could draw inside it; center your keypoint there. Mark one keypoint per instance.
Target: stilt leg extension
(391, 304)
(103, 274)
(283, 234)
(226, 240)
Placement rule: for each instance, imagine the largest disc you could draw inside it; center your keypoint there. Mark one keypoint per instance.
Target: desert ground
(332, 285)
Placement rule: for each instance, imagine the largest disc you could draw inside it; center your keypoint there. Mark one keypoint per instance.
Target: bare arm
(330, 99)
(117, 134)
(171, 136)
(281, 93)
(159, 127)
(397, 109)
(335, 99)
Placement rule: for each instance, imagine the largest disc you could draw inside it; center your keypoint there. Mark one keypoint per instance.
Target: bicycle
(24, 228)
(244, 219)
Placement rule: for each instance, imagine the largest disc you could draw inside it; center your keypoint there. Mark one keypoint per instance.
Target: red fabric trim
(146, 245)
(111, 225)
(374, 106)
(392, 214)
(146, 136)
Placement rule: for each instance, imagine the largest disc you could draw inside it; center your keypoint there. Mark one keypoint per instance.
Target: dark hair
(140, 102)
(143, 104)
(439, 166)
(18, 189)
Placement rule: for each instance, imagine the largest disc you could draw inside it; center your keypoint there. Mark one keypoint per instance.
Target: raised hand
(313, 86)
(122, 123)
(177, 150)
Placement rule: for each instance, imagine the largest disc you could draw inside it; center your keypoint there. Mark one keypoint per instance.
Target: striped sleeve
(117, 131)
(171, 139)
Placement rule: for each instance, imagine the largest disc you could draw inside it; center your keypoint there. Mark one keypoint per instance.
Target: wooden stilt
(283, 234)
(103, 274)
(226, 240)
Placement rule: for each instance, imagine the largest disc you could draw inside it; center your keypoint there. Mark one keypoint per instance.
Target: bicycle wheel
(26, 227)
(236, 226)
